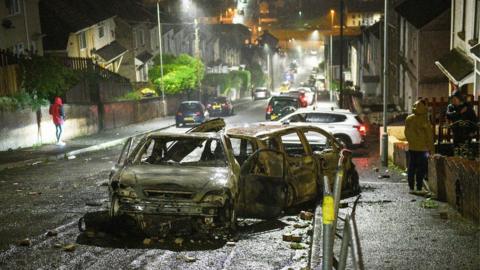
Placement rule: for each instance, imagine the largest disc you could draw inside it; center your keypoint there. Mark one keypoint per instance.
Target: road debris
(305, 215)
(297, 246)
(178, 241)
(69, 247)
(25, 242)
(34, 193)
(189, 259)
(93, 204)
(429, 203)
(71, 157)
(444, 215)
(57, 245)
(231, 244)
(51, 233)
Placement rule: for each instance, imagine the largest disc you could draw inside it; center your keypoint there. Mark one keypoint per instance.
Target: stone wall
(25, 128)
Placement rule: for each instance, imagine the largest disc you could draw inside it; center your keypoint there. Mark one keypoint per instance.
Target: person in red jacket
(58, 117)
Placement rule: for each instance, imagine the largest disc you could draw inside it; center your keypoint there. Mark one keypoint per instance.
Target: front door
(262, 185)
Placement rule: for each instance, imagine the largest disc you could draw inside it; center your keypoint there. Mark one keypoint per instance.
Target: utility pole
(341, 54)
(160, 51)
(385, 87)
(197, 55)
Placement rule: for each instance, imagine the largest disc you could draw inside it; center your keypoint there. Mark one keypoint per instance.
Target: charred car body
(204, 179)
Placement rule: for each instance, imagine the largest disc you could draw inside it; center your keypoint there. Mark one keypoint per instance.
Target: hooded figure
(419, 134)
(58, 117)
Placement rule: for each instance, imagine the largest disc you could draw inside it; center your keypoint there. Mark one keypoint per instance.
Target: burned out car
(206, 178)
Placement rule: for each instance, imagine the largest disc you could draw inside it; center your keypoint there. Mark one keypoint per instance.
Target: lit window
(13, 7)
(82, 40)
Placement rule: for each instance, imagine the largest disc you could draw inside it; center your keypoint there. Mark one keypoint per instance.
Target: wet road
(53, 196)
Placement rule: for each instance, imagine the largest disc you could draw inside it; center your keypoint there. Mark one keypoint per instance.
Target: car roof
(284, 97)
(325, 110)
(199, 135)
(261, 130)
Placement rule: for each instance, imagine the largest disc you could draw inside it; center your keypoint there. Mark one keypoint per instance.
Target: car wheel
(344, 140)
(230, 216)
(114, 206)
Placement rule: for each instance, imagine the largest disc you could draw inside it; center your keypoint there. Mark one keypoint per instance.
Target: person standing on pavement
(58, 117)
(463, 124)
(419, 134)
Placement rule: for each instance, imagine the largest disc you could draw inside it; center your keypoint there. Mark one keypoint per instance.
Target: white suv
(342, 124)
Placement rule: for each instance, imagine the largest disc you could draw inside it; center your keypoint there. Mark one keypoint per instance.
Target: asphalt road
(55, 195)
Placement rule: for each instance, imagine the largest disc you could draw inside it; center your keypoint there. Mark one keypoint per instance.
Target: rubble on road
(51, 233)
(147, 241)
(69, 247)
(306, 215)
(297, 246)
(178, 241)
(25, 242)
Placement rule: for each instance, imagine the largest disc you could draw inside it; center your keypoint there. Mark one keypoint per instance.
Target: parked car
(220, 106)
(345, 126)
(279, 106)
(304, 94)
(261, 93)
(204, 179)
(191, 112)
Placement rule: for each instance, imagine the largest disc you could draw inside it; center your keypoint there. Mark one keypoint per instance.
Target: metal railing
(349, 238)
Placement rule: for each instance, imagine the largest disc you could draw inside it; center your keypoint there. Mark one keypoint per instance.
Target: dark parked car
(191, 112)
(220, 106)
(279, 106)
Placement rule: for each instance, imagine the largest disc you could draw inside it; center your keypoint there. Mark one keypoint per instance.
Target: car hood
(197, 180)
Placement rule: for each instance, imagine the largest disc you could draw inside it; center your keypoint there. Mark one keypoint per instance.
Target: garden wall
(25, 128)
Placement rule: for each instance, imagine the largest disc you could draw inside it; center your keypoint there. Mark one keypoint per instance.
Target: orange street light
(332, 14)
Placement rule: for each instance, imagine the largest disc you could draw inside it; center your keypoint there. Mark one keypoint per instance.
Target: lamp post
(160, 52)
(330, 66)
(384, 149)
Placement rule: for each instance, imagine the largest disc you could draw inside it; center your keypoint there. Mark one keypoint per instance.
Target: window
(292, 145)
(141, 37)
(82, 40)
(242, 149)
(101, 32)
(317, 141)
(13, 7)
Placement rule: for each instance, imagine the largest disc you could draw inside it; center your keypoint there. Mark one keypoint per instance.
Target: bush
(257, 75)
(235, 79)
(22, 100)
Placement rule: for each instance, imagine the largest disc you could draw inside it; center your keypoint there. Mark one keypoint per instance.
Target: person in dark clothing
(463, 122)
(58, 117)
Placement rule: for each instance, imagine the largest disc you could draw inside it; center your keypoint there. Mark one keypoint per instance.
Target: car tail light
(179, 114)
(269, 109)
(362, 129)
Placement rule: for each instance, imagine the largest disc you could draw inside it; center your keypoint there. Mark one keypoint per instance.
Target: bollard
(328, 217)
(342, 261)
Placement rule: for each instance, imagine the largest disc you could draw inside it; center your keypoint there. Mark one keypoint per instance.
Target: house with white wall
(462, 64)
(424, 37)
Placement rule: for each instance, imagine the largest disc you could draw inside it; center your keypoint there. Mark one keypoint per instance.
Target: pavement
(85, 144)
(396, 231)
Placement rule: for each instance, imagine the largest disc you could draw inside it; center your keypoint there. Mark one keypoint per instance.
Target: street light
(332, 15)
(384, 149)
(161, 59)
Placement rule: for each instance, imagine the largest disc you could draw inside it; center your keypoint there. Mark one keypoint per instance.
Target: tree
(45, 77)
(180, 73)
(258, 77)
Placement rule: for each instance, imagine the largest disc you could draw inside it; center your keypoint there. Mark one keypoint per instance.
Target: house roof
(421, 12)
(476, 50)
(455, 65)
(111, 51)
(144, 57)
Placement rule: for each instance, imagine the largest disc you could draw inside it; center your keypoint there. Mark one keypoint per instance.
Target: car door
(214, 125)
(300, 164)
(262, 185)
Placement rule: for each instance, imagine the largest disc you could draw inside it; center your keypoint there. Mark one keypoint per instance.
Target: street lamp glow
(300, 13)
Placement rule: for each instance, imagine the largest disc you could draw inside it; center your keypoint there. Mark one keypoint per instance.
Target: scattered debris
(444, 215)
(383, 176)
(51, 233)
(69, 247)
(310, 232)
(147, 241)
(93, 204)
(429, 203)
(189, 259)
(305, 215)
(36, 163)
(296, 238)
(231, 244)
(404, 180)
(33, 193)
(178, 241)
(15, 184)
(292, 219)
(71, 157)
(343, 205)
(25, 242)
(300, 225)
(104, 184)
(57, 245)
(404, 174)
(297, 246)
(287, 237)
